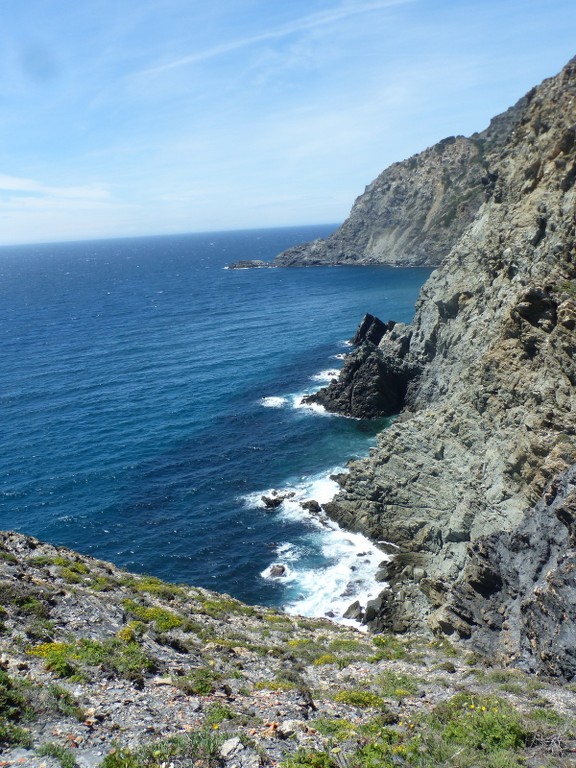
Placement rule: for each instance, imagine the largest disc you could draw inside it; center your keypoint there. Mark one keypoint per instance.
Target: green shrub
(201, 748)
(481, 723)
(394, 684)
(217, 713)
(162, 619)
(62, 754)
(153, 586)
(307, 759)
(61, 700)
(364, 699)
(389, 647)
(111, 655)
(14, 708)
(340, 729)
(200, 681)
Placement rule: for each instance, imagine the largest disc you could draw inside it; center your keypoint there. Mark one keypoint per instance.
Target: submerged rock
(250, 264)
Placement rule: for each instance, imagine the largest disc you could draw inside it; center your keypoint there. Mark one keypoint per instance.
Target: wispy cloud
(302, 24)
(38, 189)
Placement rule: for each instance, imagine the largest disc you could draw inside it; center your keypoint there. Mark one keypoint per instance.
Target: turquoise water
(149, 396)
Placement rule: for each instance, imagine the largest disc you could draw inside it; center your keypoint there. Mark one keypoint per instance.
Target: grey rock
(354, 611)
(250, 264)
(231, 747)
(276, 498)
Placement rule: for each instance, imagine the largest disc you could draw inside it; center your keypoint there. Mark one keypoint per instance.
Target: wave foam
(332, 567)
(274, 402)
(325, 376)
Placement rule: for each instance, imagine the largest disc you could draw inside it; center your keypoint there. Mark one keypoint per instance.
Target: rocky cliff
(487, 426)
(416, 210)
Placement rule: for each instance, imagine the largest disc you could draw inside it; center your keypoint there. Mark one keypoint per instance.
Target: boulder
(354, 611)
(276, 498)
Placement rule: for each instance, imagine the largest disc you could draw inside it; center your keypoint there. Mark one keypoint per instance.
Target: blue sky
(125, 117)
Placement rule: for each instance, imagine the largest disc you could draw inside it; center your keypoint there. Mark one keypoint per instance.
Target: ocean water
(149, 397)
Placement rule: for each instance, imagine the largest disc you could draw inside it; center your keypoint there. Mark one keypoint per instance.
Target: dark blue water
(148, 396)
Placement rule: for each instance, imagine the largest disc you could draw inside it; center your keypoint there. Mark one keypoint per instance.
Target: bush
(481, 723)
(112, 655)
(202, 747)
(364, 699)
(14, 708)
(162, 619)
(200, 681)
(62, 754)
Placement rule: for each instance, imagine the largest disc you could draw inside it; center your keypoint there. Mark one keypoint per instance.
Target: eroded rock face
(416, 210)
(488, 417)
(517, 595)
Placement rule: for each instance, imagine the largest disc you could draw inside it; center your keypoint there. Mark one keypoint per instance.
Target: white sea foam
(274, 402)
(335, 567)
(325, 376)
(298, 402)
(349, 576)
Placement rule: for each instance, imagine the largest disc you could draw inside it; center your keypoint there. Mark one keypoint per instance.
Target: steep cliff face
(416, 210)
(489, 411)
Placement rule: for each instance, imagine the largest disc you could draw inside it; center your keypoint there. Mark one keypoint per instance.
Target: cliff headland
(475, 480)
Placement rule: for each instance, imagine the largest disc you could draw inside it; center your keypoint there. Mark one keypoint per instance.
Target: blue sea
(149, 397)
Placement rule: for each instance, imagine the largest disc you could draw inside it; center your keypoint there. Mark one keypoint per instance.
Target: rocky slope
(485, 375)
(416, 210)
(99, 667)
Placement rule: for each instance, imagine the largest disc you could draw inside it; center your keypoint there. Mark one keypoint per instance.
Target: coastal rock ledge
(474, 480)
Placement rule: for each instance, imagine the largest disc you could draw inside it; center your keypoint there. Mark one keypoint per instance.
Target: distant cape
(417, 209)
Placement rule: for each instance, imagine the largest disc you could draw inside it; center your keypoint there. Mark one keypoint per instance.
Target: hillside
(103, 667)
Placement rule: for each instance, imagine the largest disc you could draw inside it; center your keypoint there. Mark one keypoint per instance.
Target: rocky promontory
(486, 432)
(416, 210)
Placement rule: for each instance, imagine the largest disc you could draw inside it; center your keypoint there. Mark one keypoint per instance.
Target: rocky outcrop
(370, 385)
(417, 209)
(488, 412)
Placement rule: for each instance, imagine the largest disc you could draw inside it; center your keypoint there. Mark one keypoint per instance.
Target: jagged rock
(517, 595)
(311, 505)
(371, 329)
(276, 498)
(371, 384)
(277, 570)
(354, 611)
(381, 574)
(288, 728)
(250, 264)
